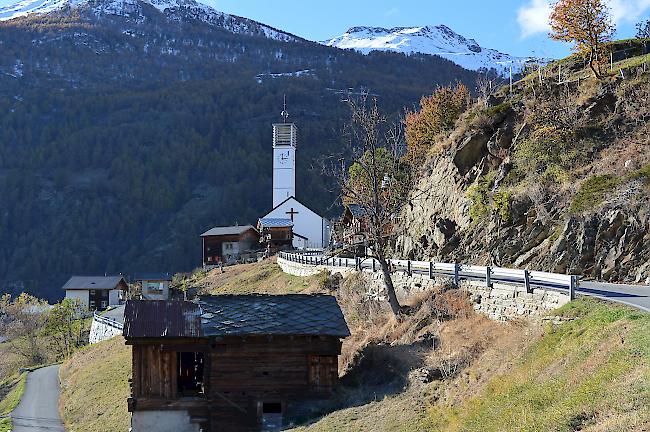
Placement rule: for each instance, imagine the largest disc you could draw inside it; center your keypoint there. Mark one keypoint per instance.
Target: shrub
(642, 174)
(438, 113)
(546, 155)
(592, 192)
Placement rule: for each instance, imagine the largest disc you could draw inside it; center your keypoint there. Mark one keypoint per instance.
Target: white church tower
(284, 161)
(310, 230)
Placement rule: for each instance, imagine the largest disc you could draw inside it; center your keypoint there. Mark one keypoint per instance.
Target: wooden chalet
(227, 245)
(355, 228)
(276, 234)
(231, 363)
(96, 293)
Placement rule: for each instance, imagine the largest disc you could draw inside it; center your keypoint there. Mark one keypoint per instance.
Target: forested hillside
(123, 136)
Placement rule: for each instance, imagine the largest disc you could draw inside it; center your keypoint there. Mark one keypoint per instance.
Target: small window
(92, 292)
(104, 304)
(190, 373)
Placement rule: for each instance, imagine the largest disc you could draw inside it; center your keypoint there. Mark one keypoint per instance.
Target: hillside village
(484, 266)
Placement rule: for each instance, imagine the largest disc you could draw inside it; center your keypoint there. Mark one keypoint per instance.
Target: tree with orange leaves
(585, 23)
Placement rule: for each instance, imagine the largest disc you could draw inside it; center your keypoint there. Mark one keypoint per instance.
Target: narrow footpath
(39, 407)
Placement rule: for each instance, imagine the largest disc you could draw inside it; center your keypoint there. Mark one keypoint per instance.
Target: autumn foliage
(438, 113)
(585, 23)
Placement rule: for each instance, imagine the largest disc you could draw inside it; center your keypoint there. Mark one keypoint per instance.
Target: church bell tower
(284, 160)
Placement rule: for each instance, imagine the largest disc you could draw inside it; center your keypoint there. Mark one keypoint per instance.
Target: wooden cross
(292, 212)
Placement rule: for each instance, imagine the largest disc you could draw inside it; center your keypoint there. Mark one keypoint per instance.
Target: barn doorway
(271, 416)
(190, 373)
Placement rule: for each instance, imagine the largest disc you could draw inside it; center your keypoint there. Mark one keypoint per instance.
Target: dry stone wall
(500, 302)
(100, 331)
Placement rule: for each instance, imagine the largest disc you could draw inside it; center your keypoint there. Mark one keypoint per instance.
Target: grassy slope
(11, 390)
(591, 373)
(95, 388)
(95, 380)
(262, 277)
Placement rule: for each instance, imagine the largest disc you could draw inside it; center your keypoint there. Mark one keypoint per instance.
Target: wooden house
(231, 363)
(97, 292)
(226, 245)
(355, 228)
(276, 234)
(154, 286)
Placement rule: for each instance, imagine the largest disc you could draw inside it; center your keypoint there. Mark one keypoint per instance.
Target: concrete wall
(162, 421)
(100, 332)
(500, 302)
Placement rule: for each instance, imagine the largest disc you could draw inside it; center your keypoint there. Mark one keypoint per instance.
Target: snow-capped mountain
(173, 9)
(439, 40)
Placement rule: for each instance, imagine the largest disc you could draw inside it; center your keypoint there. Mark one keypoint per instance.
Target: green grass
(11, 391)
(5, 425)
(592, 192)
(95, 388)
(16, 387)
(590, 371)
(263, 277)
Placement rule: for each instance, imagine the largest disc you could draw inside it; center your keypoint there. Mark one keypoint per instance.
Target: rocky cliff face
(479, 201)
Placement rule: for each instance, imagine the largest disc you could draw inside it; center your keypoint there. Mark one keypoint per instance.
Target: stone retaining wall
(500, 302)
(100, 331)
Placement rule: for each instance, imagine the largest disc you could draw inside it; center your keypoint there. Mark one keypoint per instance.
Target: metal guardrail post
(456, 275)
(527, 281)
(408, 267)
(488, 276)
(430, 270)
(572, 287)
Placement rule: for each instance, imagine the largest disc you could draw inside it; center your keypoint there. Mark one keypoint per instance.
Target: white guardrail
(457, 272)
(108, 321)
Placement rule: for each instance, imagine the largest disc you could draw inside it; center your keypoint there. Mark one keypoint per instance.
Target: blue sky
(513, 26)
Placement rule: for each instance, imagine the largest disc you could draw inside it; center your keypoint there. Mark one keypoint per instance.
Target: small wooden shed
(231, 363)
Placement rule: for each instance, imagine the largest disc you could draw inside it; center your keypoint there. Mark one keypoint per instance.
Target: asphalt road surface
(39, 407)
(633, 295)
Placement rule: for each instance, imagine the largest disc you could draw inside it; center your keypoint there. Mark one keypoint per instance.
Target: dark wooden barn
(227, 245)
(231, 363)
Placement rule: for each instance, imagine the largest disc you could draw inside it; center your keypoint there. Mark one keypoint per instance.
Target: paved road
(116, 313)
(632, 295)
(39, 408)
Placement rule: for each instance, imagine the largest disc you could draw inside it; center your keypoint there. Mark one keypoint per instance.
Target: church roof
(275, 223)
(288, 199)
(227, 230)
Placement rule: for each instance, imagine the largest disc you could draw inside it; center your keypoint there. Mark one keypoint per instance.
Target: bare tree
(643, 29)
(372, 174)
(21, 321)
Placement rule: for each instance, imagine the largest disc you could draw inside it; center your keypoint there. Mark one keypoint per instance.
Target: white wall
(81, 295)
(114, 297)
(307, 223)
(284, 173)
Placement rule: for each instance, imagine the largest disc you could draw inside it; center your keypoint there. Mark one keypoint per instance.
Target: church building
(310, 230)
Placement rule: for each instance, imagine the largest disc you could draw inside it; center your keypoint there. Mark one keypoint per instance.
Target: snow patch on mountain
(439, 40)
(173, 9)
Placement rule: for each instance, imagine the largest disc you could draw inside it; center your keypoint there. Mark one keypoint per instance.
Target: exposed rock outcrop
(610, 241)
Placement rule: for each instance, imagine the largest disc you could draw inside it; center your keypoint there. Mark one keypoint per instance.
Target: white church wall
(305, 222)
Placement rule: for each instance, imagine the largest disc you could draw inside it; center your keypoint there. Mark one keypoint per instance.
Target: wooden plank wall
(154, 372)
